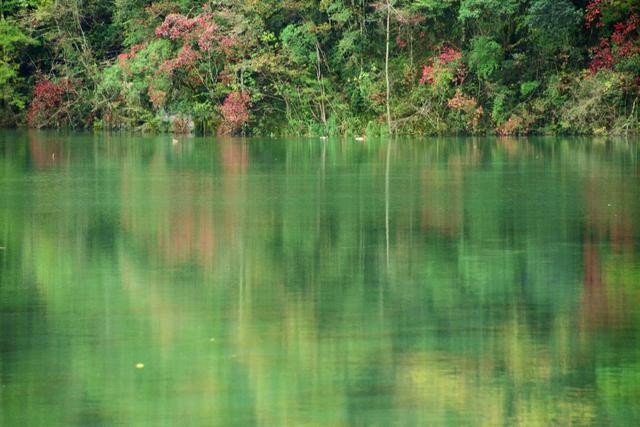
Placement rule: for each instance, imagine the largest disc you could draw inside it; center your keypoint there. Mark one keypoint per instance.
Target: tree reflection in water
(450, 281)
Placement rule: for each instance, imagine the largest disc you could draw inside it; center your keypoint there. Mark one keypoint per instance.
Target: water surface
(302, 282)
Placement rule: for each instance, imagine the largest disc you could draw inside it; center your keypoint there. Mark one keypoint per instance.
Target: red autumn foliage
(623, 29)
(208, 36)
(449, 55)
(602, 57)
(123, 57)
(197, 37)
(428, 74)
(593, 16)
(199, 34)
(448, 58)
(186, 58)
(201, 30)
(235, 112)
(227, 44)
(177, 26)
(400, 42)
(48, 105)
(622, 44)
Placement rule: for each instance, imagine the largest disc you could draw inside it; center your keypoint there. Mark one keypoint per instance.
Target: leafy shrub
(51, 104)
(444, 69)
(499, 113)
(485, 56)
(527, 88)
(235, 112)
(517, 124)
(596, 103)
(468, 106)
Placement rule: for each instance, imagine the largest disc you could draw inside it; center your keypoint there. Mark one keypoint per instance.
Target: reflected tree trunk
(386, 202)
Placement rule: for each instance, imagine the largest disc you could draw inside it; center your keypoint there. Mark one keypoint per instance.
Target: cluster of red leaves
(401, 42)
(623, 43)
(48, 99)
(124, 57)
(185, 59)
(602, 57)
(593, 16)
(209, 35)
(622, 31)
(201, 29)
(428, 74)
(177, 26)
(227, 44)
(235, 111)
(198, 34)
(448, 57)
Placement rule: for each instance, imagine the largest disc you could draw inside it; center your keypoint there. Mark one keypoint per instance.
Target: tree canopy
(320, 67)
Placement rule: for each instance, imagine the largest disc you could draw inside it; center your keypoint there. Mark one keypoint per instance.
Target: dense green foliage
(319, 67)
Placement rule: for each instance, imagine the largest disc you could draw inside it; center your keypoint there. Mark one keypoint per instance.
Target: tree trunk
(386, 65)
(323, 111)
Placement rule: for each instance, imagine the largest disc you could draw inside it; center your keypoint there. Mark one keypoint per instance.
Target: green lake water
(301, 282)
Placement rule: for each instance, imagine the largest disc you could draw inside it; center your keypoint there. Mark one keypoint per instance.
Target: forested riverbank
(328, 67)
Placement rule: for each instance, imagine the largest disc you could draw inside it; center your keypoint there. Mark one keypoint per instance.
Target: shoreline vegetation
(322, 68)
